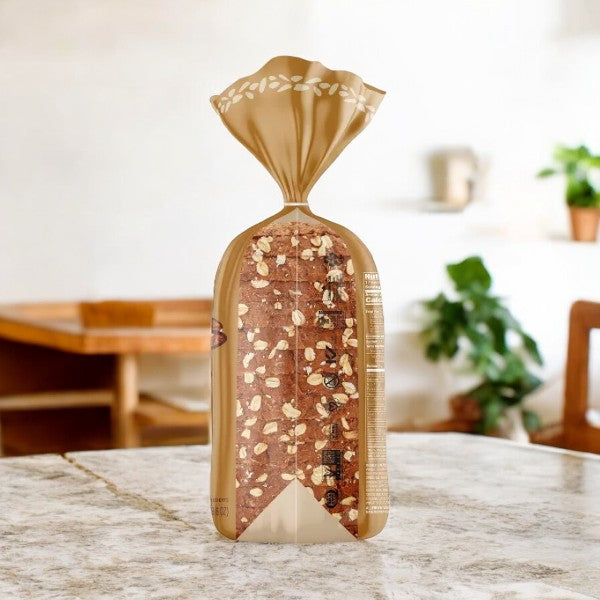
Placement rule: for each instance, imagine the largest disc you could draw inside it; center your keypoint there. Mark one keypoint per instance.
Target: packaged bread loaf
(298, 415)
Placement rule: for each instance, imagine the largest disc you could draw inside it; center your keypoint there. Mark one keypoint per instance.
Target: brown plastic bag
(297, 363)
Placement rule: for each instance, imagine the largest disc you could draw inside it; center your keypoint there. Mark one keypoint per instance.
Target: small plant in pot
(476, 331)
(583, 198)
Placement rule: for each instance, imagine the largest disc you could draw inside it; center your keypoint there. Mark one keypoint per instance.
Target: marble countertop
(471, 517)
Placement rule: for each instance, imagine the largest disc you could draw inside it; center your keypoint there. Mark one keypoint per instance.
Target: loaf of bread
(297, 413)
(297, 368)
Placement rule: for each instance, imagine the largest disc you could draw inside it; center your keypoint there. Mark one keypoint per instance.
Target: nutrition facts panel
(377, 499)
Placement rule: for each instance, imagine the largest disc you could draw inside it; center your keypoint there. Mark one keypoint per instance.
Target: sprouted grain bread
(297, 374)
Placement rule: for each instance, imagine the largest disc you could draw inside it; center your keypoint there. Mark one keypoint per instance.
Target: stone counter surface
(471, 517)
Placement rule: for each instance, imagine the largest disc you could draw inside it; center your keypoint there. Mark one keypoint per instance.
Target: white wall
(118, 180)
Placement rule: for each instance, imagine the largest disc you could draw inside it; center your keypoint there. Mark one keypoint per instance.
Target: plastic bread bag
(298, 410)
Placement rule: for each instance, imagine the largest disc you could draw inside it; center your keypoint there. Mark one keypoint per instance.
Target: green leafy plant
(576, 164)
(477, 329)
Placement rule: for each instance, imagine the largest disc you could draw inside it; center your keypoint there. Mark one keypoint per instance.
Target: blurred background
(118, 181)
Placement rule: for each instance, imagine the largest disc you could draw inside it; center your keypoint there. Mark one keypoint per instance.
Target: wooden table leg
(125, 401)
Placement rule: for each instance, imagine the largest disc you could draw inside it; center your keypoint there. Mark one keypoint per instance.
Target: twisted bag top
(296, 116)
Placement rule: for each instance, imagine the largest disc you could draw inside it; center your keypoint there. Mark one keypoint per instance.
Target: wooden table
(183, 326)
(471, 517)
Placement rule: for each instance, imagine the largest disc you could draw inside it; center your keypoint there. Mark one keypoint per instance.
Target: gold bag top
(296, 116)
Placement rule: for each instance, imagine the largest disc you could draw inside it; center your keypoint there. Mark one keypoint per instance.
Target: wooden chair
(577, 431)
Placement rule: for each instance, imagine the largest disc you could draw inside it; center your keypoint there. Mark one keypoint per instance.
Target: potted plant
(583, 199)
(474, 329)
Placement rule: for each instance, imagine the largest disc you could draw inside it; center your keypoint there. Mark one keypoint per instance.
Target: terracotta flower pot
(584, 223)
